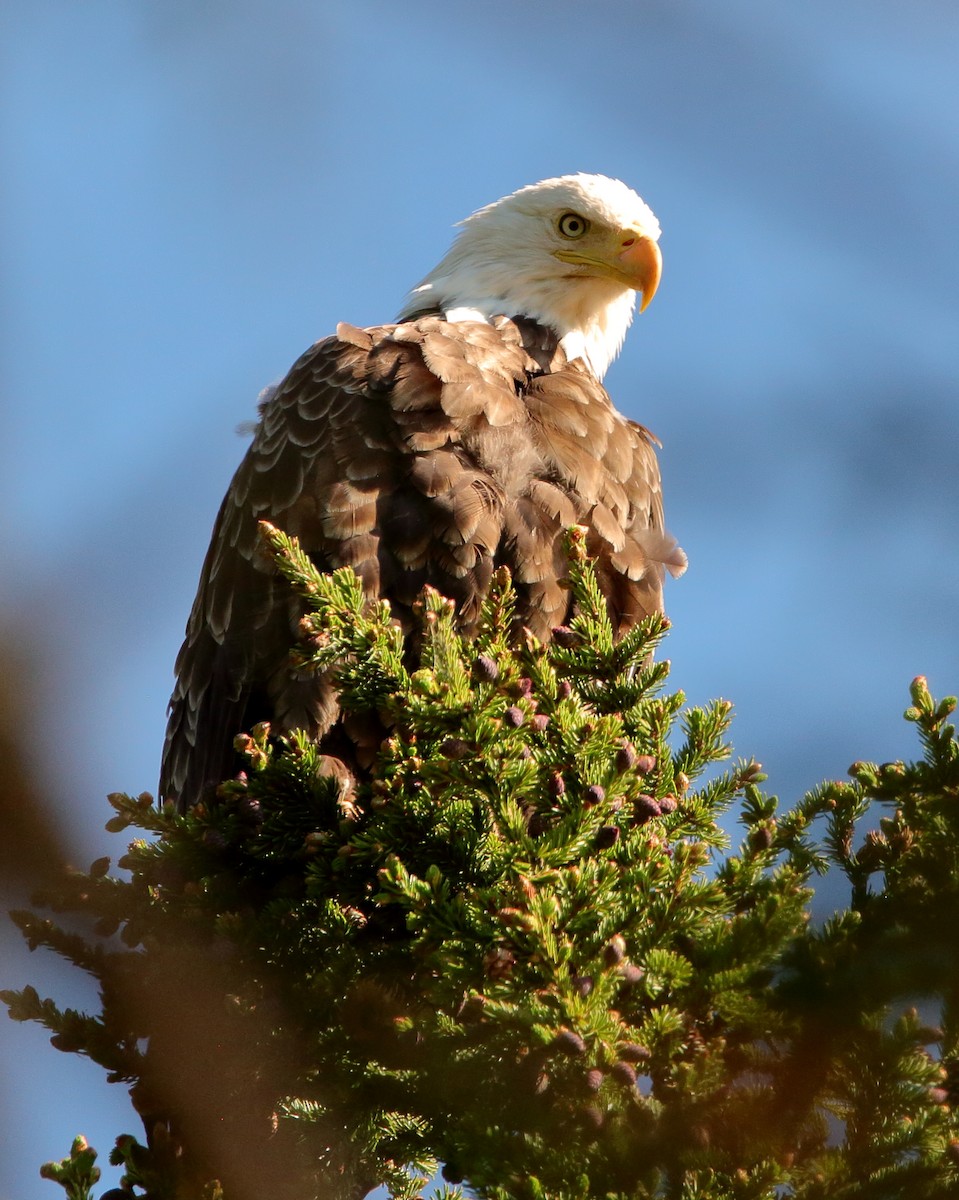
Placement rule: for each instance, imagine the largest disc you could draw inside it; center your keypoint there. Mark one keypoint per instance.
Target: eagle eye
(572, 225)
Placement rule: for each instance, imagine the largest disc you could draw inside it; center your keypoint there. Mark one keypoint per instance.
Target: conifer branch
(517, 943)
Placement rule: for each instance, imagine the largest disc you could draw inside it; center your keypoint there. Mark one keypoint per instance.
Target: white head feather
(504, 261)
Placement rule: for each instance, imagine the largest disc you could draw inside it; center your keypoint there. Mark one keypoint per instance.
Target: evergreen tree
(515, 941)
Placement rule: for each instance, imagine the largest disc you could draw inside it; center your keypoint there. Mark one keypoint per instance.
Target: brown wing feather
(425, 452)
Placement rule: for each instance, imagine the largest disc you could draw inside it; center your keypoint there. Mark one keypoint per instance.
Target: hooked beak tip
(642, 263)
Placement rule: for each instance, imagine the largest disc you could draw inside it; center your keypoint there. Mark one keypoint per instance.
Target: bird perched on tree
(467, 436)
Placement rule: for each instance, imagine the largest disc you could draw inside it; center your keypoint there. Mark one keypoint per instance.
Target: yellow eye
(572, 225)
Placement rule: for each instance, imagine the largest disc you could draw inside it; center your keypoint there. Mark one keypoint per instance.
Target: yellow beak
(641, 262)
(629, 257)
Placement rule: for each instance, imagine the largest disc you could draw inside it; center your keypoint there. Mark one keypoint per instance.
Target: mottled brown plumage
(426, 452)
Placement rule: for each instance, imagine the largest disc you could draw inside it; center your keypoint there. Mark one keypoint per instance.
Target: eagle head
(571, 252)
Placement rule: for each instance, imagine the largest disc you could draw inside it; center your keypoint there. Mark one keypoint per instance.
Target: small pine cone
(592, 1117)
(514, 717)
(615, 951)
(564, 690)
(583, 984)
(568, 1042)
(66, 1041)
(594, 1079)
(631, 974)
(454, 748)
(452, 1173)
(644, 764)
(524, 687)
(498, 963)
(214, 840)
(644, 809)
(536, 824)
(667, 805)
(557, 784)
(565, 637)
(625, 757)
(539, 722)
(633, 1052)
(310, 638)
(485, 669)
(623, 1073)
(594, 795)
(607, 836)
(761, 838)
(249, 809)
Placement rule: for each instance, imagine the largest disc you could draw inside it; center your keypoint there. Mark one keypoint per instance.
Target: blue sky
(192, 193)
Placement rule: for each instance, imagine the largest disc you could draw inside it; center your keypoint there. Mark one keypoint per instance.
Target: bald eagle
(468, 435)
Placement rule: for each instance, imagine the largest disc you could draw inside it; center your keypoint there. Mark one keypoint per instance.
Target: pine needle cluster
(510, 937)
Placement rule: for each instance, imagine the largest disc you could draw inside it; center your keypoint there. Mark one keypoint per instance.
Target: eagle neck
(589, 317)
